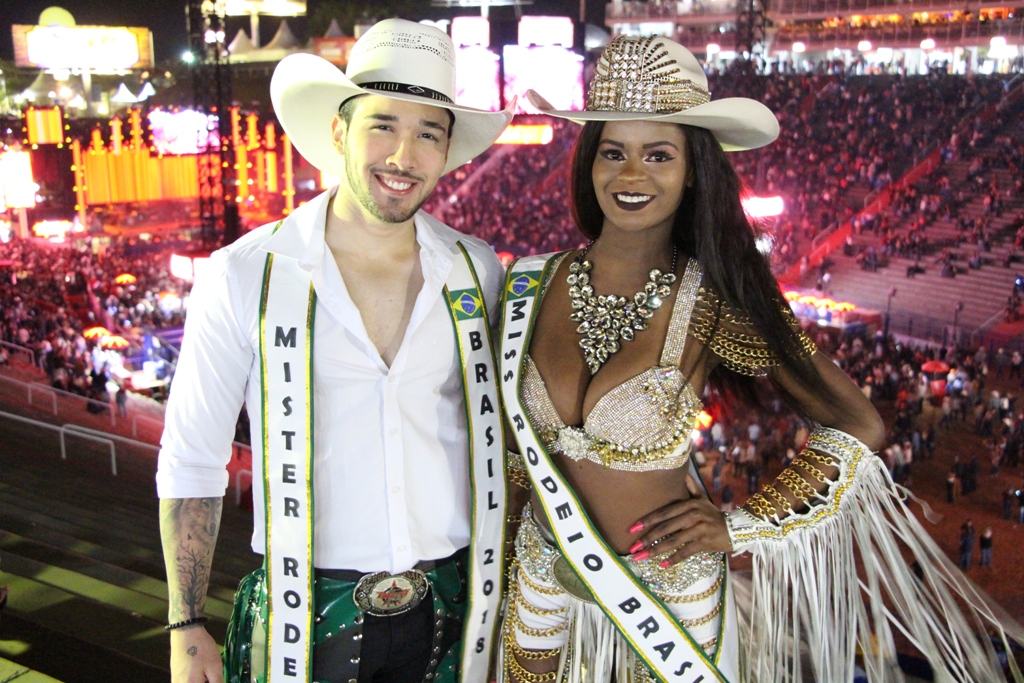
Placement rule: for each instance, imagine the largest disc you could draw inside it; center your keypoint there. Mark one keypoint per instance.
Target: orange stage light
(43, 125)
(52, 230)
(125, 279)
(96, 332)
(114, 342)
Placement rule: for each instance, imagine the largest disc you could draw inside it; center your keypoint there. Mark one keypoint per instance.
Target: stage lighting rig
(211, 91)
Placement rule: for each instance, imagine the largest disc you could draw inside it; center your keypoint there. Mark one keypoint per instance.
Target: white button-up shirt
(390, 473)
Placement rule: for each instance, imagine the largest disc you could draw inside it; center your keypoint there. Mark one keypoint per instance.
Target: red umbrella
(935, 366)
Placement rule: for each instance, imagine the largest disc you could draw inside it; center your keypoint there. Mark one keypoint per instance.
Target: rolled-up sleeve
(207, 391)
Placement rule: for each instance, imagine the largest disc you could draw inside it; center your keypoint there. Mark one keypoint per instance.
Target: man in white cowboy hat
(356, 332)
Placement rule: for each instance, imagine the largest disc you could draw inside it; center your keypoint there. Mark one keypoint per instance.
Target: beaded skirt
(543, 617)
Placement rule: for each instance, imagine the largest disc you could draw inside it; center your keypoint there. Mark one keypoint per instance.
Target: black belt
(354, 575)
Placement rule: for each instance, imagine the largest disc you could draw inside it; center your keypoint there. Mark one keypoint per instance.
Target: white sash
(486, 464)
(658, 639)
(286, 372)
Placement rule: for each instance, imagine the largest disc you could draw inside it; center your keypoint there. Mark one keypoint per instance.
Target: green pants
(338, 626)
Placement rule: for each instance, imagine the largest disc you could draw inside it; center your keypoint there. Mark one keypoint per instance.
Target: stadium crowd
(842, 137)
(52, 294)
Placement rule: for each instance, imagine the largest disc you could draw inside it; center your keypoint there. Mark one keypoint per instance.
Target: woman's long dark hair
(711, 227)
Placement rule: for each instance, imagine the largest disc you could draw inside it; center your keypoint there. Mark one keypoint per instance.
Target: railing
(238, 450)
(20, 349)
(903, 34)
(64, 430)
(238, 485)
(39, 389)
(725, 10)
(91, 437)
(841, 7)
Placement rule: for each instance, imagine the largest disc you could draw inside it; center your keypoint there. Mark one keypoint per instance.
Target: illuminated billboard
(96, 48)
(476, 78)
(276, 8)
(17, 187)
(183, 132)
(471, 31)
(542, 31)
(555, 72)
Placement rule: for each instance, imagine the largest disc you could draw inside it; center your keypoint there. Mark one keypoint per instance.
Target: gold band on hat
(637, 75)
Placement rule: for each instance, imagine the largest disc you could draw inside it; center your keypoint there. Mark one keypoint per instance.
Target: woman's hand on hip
(683, 528)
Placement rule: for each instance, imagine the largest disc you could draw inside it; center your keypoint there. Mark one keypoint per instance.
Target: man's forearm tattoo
(189, 527)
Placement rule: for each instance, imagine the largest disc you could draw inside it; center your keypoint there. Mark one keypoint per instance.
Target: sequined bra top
(644, 423)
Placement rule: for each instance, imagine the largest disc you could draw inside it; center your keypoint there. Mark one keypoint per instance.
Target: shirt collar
(301, 235)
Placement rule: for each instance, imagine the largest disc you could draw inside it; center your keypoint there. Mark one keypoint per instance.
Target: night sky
(166, 19)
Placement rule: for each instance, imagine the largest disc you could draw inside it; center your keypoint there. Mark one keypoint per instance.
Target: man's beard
(361, 191)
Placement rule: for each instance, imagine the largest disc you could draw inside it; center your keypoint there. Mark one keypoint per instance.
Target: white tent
(123, 95)
(241, 45)
(146, 92)
(334, 31)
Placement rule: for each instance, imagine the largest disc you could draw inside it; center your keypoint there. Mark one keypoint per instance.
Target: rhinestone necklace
(605, 320)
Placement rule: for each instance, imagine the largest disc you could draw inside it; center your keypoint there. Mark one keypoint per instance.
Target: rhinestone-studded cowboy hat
(656, 79)
(399, 59)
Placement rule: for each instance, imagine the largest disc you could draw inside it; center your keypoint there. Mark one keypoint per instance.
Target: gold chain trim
(745, 354)
(700, 621)
(517, 622)
(780, 499)
(511, 644)
(760, 507)
(533, 609)
(710, 644)
(679, 599)
(837, 449)
(519, 477)
(543, 590)
(516, 671)
(812, 471)
(821, 458)
(797, 485)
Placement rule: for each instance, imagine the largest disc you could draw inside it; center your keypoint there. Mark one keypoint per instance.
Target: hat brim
(738, 123)
(307, 91)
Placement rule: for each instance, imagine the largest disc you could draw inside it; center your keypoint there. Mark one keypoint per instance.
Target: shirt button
(401, 548)
(392, 379)
(393, 431)
(396, 489)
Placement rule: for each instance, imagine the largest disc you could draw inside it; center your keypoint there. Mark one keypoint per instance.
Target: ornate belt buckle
(385, 594)
(567, 580)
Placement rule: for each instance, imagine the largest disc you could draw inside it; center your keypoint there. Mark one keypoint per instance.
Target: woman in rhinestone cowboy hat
(620, 570)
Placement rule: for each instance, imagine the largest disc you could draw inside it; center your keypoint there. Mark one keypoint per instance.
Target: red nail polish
(664, 564)
(639, 545)
(639, 526)
(641, 556)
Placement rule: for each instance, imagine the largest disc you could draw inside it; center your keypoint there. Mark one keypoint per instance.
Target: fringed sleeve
(835, 578)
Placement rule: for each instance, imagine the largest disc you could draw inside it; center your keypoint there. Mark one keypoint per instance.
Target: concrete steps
(82, 557)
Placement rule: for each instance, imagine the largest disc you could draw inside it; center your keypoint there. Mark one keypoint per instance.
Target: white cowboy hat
(396, 58)
(656, 79)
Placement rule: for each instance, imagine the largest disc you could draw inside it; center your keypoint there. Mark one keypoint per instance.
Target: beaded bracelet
(188, 622)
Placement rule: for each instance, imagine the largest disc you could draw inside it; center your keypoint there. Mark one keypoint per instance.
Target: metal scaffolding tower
(211, 90)
(750, 28)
